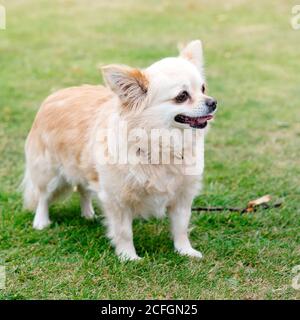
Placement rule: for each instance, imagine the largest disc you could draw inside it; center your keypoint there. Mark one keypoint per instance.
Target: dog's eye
(182, 97)
(203, 89)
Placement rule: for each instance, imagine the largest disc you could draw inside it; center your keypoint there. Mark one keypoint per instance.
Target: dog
(63, 147)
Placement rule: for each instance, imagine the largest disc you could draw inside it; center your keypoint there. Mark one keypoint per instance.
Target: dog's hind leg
(47, 192)
(50, 186)
(87, 210)
(41, 218)
(36, 194)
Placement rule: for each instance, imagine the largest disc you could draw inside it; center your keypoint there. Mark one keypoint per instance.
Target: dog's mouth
(194, 122)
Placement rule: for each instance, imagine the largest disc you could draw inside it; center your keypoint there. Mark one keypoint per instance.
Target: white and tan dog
(64, 145)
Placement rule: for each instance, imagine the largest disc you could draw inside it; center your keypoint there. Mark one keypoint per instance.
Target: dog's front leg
(180, 214)
(119, 225)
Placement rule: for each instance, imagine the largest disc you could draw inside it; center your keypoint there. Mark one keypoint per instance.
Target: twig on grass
(251, 206)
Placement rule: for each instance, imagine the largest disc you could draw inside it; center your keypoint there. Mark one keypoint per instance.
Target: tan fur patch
(141, 79)
(64, 123)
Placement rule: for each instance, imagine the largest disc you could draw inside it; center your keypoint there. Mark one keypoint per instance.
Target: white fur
(127, 191)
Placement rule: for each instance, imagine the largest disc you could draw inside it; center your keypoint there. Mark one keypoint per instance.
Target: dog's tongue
(193, 121)
(198, 120)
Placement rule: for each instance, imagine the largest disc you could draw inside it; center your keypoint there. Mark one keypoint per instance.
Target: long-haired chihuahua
(67, 147)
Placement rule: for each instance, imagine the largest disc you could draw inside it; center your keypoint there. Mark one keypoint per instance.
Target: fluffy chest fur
(147, 189)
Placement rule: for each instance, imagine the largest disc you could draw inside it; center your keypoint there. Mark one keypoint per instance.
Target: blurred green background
(252, 149)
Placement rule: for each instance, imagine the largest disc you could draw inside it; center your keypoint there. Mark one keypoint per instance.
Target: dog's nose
(211, 104)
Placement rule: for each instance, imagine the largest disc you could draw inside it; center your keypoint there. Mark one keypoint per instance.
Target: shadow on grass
(74, 233)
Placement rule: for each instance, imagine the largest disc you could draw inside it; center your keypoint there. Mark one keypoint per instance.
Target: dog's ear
(130, 84)
(194, 53)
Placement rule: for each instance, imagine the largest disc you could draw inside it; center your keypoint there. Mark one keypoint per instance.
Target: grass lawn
(253, 148)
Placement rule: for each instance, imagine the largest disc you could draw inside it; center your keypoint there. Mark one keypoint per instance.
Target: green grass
(252, 67)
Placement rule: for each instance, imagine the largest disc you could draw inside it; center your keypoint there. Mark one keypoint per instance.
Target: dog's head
(169, 93)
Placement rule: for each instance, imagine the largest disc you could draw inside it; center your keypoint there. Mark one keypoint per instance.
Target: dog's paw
(40, 224)
(190, 252)
(126, 256)
(88, 214)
